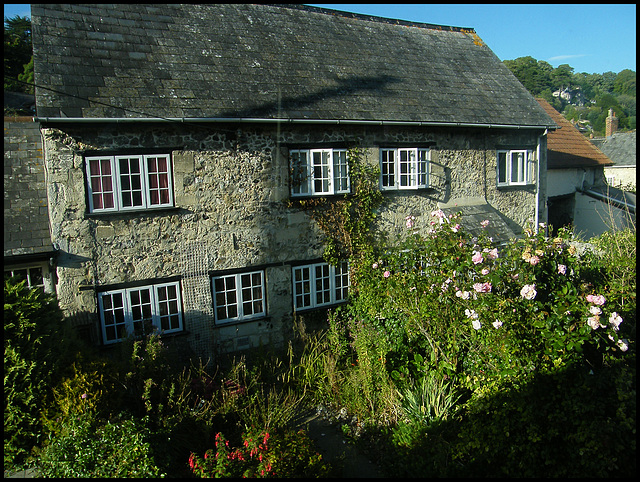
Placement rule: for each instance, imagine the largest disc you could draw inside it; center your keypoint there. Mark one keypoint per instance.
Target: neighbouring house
(28, 250)
(577, 191)
(176, 137)
(620, 147)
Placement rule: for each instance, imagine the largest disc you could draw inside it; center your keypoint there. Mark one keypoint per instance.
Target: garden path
(337, 450)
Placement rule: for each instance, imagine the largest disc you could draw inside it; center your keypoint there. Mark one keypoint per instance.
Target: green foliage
(88, 447)
(17, 52)
(288, 453)
(34, 354)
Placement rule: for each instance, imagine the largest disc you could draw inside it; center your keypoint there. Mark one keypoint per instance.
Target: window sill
(516, 187)
(137, 213)
(263, 319)
(108, 346)
(316, 309)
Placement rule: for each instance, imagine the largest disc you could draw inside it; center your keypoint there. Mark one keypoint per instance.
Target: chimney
(612, 123)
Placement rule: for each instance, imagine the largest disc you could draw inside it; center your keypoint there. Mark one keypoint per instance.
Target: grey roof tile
(324, 64)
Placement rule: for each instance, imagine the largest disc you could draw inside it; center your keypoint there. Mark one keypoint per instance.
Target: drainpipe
(538, 181)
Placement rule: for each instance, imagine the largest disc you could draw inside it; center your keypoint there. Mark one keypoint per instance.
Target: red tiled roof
(567, 147)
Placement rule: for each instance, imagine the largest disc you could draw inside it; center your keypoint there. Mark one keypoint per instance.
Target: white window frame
(118, 188)
(239, 295)
(319, 172)
(404, 168)
(28, 273)
(161, 308)
(515, 167)
(319, 284)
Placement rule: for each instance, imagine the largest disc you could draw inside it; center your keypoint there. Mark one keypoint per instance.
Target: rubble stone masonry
(231, 187)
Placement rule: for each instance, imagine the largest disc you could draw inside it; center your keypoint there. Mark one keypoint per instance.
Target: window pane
(502, 167)
(299, 172)
(168, 308)
(321, 167)
(302, 287)
(517, 167)
(113, 315)
(387, 168)
(407, 167)
(130, 182)
(100, 183)
(423, 167)
(340, 171)
(158, 178)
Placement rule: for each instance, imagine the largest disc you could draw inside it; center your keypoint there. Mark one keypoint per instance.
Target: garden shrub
(37, 348)
(283, 453)
(90, 447)
(494, 321)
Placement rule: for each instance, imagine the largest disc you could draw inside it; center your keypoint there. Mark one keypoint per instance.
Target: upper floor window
(239, 297)
(129, 182)
(516, 167)
(404, 168)
(319, 172)
(140, 311)
(320, 284)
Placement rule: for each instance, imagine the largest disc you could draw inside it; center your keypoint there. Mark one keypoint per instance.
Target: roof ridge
(371, 18)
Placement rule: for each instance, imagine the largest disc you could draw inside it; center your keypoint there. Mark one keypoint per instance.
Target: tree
(18, 51)
(534, 75)
(562, 76)
(625, 83)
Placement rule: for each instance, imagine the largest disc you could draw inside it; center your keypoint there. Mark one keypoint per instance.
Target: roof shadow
(345, 87)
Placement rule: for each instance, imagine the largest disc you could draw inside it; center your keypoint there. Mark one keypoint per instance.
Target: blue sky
(592, 38)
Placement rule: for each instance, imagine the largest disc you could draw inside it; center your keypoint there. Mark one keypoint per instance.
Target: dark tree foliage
(18, 63)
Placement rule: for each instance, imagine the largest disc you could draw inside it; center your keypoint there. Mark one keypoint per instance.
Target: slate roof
(567, 147)
(26, 218)
(619, 147)
(267, 62)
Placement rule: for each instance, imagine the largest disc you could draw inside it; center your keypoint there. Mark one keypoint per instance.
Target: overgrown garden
(454, 357)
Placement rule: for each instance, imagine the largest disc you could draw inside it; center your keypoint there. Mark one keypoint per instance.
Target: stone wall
(231, 189)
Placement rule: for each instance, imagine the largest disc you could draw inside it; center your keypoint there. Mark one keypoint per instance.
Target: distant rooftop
(567, 147)
(619, 147)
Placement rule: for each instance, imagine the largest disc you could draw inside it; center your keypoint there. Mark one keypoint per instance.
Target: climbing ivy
(347, 220)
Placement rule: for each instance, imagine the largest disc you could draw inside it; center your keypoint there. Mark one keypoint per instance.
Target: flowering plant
(261, 454)
(481, 311)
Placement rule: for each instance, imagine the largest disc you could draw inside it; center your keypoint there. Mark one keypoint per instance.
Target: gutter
(614, 202)
(228, 120)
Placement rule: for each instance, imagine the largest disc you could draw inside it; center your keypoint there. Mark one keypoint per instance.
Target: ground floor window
(34, 275)
(319, 284)
(140, 311)
(238, 297)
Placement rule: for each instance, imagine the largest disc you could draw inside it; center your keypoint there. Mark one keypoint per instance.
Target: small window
(140, 311)
(515, 167)
(320, 284)
(124, 183)
(404, 168)
(317, 172)
(238, 297)
(33, 275)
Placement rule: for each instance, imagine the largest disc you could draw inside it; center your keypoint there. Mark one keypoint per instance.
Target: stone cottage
(175, 137)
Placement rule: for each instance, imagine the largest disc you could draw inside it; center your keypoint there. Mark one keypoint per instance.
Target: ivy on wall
(347, 220)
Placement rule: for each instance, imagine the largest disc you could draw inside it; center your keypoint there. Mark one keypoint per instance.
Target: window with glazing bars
(129, 182)
(140, 311)
(320, 284)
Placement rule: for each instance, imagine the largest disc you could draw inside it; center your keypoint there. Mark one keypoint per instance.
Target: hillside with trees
(580, 97)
